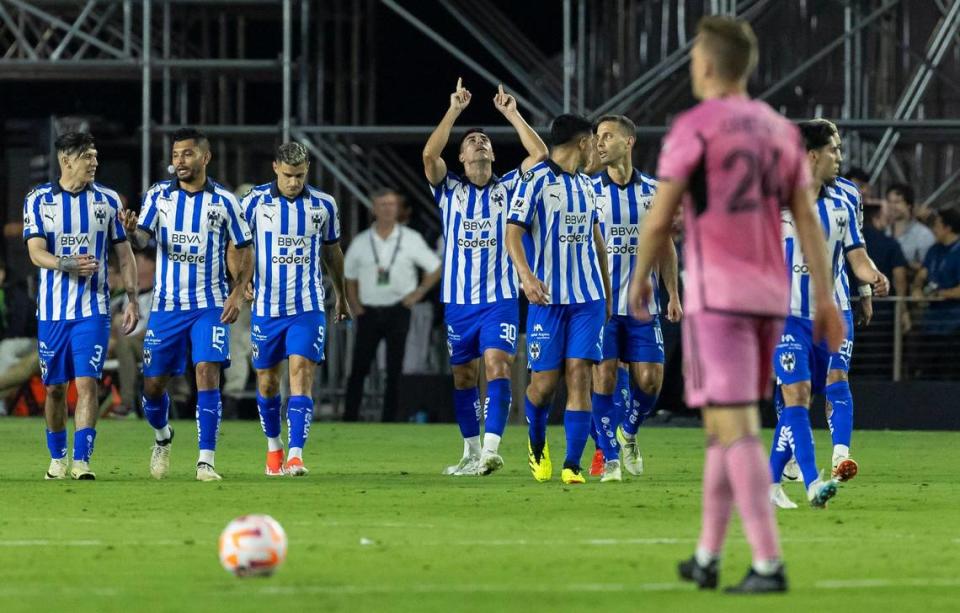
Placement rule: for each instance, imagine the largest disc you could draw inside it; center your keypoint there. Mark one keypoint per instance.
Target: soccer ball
(253, 546)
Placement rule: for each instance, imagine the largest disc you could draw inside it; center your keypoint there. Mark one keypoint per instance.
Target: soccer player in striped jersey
(624, 197)
(68, 226)
(193, 219)
(479, 287)
(295, 226)
(802, 364)
(568, 287)
(734, 163)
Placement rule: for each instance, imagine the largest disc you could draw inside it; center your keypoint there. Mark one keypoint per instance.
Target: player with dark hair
(734, 163)
(567, 285)
(193, 219)
(68, 226)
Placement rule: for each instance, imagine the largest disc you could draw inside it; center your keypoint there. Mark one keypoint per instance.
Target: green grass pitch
(375, 527)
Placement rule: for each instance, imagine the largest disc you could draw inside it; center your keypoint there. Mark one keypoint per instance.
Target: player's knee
(541, 389)
(836, 376)
(649, 381)
(497, 366)
(86, 387)
(57, 392)
(153, 387)
(208, 375)
(797, 394)
(464, 376)
(604, 379)
(268, 383)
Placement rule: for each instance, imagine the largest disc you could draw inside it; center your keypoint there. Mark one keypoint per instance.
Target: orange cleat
(295, 467)
(596, 467)
(845, 470)
(274, 463)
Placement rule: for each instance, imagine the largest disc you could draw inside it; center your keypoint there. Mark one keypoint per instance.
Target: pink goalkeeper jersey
(742, 163)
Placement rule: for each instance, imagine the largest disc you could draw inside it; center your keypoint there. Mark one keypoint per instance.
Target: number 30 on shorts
(508, 332)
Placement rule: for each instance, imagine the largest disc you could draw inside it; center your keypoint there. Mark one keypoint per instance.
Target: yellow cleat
(572, 476)
(542, 470)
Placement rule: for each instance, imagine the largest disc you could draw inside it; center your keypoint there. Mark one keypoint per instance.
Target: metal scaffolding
(882, 68)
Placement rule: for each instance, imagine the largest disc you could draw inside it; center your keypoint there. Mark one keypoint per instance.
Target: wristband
(865, 291)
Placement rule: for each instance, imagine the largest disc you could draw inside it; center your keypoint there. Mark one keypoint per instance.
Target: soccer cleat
(295, 468)
(755, 583)
(844, 469)
(630, 452)
(706, 577)
(160, 458)
(791, 472)
(820, 492)
(611, 472)
(205, 472)
(779, 497)
(596, 466)
(489, 463)
(274, 463)
(57, 470)
(80, 471)
(466, 466)
(572, 475)
(541, 467)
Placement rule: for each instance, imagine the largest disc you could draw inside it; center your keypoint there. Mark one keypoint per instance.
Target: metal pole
(287, 25)
(581, 54)
(847, 63)
(127, 26)
(567, 56)
(145, 102)
(167, 88)
(304, 85)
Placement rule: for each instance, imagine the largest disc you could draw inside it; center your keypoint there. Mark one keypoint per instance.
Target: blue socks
(269, 409)
(640, 406)
(781, 451)
(841, 420)
(576, 425)
(209, 410)
(466, 407)
(621, 396)
(498, 406)
(605, 428)
(537, 420)
(83, 444)
(299, 416)
(57, 444)
(797, 420)
(157, 411)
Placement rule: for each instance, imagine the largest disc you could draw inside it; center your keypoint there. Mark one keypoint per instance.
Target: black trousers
(377, 323)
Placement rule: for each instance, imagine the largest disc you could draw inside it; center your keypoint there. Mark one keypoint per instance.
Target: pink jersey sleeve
(682, 150)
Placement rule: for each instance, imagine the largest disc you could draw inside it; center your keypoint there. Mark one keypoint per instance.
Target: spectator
(939, 279)
(381, 271)
(914, 237)
(18, 343)
(888, 256)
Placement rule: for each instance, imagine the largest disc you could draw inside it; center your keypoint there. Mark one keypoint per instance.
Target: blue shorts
(797, 358)
(629, 340)
(72, 348)
(474, 328)
(556, 332)
(275, 339)
(165, 344)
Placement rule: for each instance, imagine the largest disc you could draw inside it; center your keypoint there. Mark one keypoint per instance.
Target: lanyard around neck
(396, 248)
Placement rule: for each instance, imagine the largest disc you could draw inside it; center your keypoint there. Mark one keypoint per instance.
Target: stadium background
(363, 83)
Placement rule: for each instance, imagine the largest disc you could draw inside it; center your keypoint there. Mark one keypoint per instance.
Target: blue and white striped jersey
(476, 266)
(192, 230)
(846, 190)
(73, 224)
(622, 211)
(289, 236)
(839, 222)
(559, 211)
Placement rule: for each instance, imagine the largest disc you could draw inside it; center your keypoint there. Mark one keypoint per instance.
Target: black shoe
(755, 583)
(706, 577)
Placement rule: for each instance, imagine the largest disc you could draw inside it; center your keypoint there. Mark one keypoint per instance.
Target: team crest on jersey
(497, 200)
(647, 203)
(317, 219)
(534, 351)
(100, 212)
(214, 219)
(788, 361)
(841, 222)
(527, 176)
(147, 357)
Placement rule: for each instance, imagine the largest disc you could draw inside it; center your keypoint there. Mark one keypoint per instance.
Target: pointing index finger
(500, 87)
(459, 83)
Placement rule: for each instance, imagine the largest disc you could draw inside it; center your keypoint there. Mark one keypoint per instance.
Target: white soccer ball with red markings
(253, 546)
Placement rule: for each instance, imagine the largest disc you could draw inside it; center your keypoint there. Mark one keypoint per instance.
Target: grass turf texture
(375, 527)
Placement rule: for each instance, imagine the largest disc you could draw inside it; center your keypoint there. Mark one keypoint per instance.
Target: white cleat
(630, 453)
(468, 465)
(821, 491)
(205, 472)
(80, 471)
(57, 470)
(611, 472)
(791, 472)
(160, 458)
(779, 497)
(489, 462)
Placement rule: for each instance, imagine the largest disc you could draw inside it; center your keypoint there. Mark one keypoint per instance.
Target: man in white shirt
(381, 268)
(914, 237)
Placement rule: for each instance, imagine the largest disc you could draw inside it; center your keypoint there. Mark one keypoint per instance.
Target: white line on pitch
(843, 584)
(480, 588)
